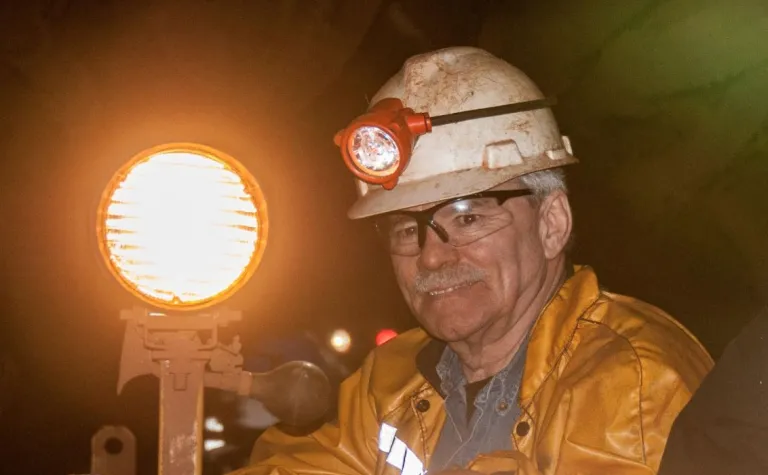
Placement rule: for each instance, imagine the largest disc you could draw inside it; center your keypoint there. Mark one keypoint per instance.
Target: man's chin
(449, 329)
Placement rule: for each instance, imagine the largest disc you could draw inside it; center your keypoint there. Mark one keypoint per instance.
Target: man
(522, 363)
(724, 428)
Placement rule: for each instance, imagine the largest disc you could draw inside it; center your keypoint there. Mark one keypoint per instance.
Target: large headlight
(182, 226)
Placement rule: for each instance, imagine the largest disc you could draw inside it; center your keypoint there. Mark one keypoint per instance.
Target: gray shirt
(490, 425)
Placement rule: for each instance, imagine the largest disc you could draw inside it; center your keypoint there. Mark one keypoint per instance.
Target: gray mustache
(449, 277)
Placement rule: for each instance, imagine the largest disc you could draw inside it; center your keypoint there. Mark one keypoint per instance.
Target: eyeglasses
(458, 222)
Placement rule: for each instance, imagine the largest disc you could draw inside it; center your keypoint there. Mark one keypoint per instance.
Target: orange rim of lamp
(182, 226)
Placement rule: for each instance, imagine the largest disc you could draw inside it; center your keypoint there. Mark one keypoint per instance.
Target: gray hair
(544, 182)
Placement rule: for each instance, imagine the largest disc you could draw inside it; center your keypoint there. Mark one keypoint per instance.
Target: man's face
(457, 292)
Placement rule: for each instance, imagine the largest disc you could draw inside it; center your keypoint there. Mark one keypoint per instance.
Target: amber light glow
(182, 226)
(340, 340)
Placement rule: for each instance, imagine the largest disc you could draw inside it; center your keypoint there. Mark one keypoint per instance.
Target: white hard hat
(471, 156)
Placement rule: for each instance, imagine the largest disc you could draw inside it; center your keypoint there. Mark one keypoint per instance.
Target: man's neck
(491, 350)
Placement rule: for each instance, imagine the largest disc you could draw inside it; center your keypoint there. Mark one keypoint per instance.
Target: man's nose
(435, 253)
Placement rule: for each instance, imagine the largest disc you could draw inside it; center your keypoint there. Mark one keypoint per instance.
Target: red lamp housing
(377, 146)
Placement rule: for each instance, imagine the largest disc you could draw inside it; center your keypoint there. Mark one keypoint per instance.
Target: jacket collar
(555, 328)
(427, 360)
(551, 333)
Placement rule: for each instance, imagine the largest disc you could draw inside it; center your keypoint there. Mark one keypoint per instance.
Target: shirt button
(422, 405)
(502, 406)
(522, 429)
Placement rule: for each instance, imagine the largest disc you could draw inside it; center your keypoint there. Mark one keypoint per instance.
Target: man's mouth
(447, 290)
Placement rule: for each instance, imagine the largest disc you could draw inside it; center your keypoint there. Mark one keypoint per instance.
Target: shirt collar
(452, 377)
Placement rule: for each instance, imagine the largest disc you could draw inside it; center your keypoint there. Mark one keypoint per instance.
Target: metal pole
(181, 413)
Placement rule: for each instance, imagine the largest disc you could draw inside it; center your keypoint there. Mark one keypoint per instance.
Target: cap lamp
(377, 146)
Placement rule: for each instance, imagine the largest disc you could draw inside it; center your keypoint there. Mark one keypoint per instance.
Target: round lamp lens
(182, 227)
(374, 151)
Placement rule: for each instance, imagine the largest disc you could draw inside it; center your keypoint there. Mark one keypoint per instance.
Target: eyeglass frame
(426, 218)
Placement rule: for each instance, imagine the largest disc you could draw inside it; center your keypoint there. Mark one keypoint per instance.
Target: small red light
(384, 336)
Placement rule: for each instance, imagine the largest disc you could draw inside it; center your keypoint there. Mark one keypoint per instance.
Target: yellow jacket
(605, 376)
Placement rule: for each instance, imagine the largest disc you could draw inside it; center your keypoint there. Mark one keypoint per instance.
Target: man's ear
(555, 223)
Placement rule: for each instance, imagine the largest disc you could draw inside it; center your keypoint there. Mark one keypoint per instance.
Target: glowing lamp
(182, 226)
(213, 424)
(213, 444)
(340, 341)
(377, 146)
(384, 336)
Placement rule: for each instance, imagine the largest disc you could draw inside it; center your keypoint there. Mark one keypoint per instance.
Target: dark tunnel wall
(665, 102)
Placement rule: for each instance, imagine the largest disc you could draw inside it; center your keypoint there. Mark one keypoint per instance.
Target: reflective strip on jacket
(605, 377)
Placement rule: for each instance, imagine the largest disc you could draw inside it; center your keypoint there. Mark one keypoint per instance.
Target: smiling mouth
(447, 290)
